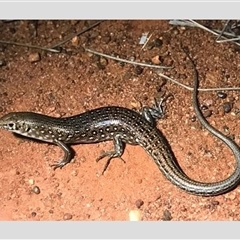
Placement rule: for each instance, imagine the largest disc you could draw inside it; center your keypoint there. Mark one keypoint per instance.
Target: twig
(144, 45)
(211, 31)
(51, 48)
(199, 89)
(76, 34)
(126, 61)
(30, 46)
(219, 34)
(184, 23)
(224, 28)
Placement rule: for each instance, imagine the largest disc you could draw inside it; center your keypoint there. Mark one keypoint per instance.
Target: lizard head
(15, 122)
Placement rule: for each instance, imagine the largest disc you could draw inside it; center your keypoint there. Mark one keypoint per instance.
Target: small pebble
(138, 70)
(208, 102)
(51, 211)
(34, 214)
(193, 119)
(36, 190)
(215, 202)
(134, 215)
(31, 181)
(222, 95)
(75, 41)
(158, 42)
(2, 63)
(74, 173)
(139, 203)
(34, 57)
(67, 216)
(156, 60)
(166, 215)
(207, 113)
(204, 107)
(132, 58)
(226, 129)
(103, 62)
(227, 107)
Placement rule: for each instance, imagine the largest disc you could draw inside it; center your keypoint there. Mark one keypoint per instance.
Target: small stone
(67, 216)
(139, 203)
(34, 57)
(156, 60)
(151, 45)
(36, 190)
(2, 63)
(208, 102)
(158, 42)
(74, 173)
(132, 58)
(215, 203)
(34, 214)
(207, 113)
(31, 181)
(204, 107)
(103, 62)
(166, 215)
(227, 107)
(193, 118)
(222, 95)
(75, 41)
(138, 70)
(51, 211)
(134, 215)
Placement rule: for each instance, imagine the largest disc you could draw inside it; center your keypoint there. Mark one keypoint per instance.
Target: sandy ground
(71, 82)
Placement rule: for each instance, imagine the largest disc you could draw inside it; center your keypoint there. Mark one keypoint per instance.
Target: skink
(122, 125)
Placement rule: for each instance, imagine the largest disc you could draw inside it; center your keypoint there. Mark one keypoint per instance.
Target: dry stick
(126, 61)
(76, 34)
(199, 89)
(213, 32)
(52, 48)
(219, 34)
(160, 74)
(226, 33)
(30, 46)
(224, 28)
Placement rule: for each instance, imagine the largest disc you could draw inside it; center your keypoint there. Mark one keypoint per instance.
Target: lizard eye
(11, 125)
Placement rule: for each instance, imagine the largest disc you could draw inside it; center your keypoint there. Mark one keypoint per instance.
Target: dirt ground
(73, 81)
